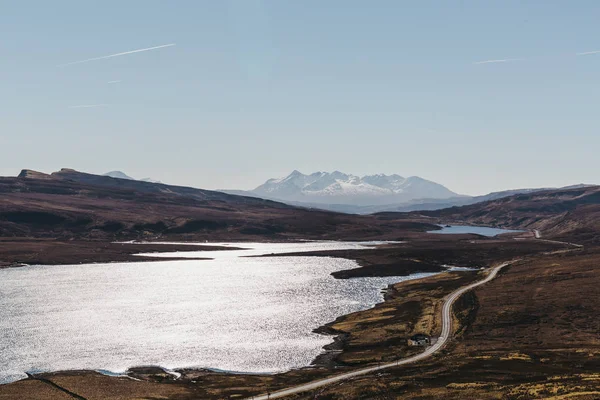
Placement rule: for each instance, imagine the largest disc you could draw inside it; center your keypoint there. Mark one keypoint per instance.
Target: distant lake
(479, 230)
(232, 313)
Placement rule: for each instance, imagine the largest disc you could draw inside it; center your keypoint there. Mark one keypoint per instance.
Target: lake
(232, 313)
(479, 230)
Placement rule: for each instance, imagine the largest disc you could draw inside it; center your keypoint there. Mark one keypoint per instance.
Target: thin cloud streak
(111, 82)
(89, 106)
(492, 61)
(117, 54)
(588, 53)
(505, 60)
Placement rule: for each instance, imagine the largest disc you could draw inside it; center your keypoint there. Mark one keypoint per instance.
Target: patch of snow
(342, 188)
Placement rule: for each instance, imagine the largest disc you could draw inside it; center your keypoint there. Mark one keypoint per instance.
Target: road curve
(443, 339)
(538, 235)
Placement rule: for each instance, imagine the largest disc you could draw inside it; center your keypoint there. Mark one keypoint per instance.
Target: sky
(231, 93)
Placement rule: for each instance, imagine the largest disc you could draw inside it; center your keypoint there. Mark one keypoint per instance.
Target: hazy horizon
(225, 95)
(140, 177)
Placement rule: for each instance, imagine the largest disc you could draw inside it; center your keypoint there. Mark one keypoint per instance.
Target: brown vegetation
(381, 334)
(70, 204)
(532, 332)
(560, 213)
(16, 251)
(425, 255)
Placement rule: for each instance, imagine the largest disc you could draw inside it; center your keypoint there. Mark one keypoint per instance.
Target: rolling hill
(72, 204)
(558, 213)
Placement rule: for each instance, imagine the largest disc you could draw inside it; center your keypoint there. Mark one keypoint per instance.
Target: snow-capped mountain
(340, 188)
(119, 175)
(122, 175)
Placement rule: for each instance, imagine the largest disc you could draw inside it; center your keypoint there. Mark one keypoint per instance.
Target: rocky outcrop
(31, 174)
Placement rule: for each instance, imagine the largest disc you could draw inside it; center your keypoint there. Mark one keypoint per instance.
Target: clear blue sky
(255, 89)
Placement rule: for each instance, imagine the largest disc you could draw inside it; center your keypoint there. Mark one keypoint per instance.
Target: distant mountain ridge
(572, 210)
(119, 175)
(433, 204)
(122, 175)
(341, 188)
(369, 194)
(71, 204)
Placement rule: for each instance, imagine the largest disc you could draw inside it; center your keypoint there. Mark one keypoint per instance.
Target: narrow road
(445, 336)
(538, 235)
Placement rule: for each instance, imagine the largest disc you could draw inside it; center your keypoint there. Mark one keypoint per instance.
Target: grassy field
(531, 333)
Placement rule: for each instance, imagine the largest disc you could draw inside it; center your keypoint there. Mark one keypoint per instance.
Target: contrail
(89, 106)
(117, 55)
(492, 61)
(588, 53)
(111, 82)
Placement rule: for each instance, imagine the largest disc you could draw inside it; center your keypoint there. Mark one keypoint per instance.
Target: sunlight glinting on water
(231, 313)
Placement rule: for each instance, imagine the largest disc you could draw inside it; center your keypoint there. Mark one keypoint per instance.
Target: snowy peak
(119, 175)
(341, 188)
(392, 182)
(122, 175)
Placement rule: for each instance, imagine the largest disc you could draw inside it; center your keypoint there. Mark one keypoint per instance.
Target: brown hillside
(573, 213)
(77, 205)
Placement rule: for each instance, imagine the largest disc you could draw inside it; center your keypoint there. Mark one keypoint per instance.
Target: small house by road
(419, 340)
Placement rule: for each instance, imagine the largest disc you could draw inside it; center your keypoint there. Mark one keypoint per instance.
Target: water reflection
(231, 313)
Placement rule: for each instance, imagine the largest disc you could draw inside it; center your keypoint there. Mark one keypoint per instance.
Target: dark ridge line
(62, 389)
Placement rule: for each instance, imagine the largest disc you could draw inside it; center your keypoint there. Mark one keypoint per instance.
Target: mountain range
(337, 191)
(69, 204)
(338, 188)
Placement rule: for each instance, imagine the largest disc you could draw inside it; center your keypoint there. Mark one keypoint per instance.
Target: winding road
(443, 339)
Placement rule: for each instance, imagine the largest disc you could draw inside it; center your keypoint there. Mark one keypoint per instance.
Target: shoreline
(141, 259)
(343, 353)
(16, 252)
(216, 384)
(319, 361)
(325, 362)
